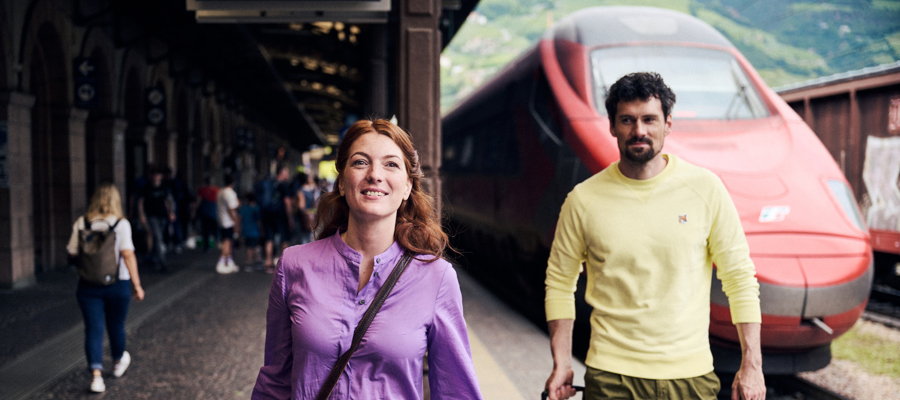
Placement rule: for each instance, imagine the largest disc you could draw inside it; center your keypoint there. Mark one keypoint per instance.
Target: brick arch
(47, 81)
(104, 150)
(45, 24)
(132, 75)
(99, 47)
(7, 80)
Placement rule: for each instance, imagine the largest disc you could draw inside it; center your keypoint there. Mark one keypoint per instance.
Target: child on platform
(251, 220)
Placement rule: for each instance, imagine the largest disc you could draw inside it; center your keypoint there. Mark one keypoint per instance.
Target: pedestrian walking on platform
(107, 303)
(206, 213)
(251, 227)
(647, 230)
(157, 210)
(376, 221)
(229, 223)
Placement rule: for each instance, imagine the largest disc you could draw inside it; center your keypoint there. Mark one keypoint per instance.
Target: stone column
(68, 182)
(418, 78)
(16, 237)
(109, 150)
(172, 151)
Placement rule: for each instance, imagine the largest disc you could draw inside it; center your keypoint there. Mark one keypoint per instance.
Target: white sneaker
(122, 365)
(223, 268)
(234, 267)
(97, 385)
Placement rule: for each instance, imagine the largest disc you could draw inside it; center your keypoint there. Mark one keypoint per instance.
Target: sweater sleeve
(568, 252)
(274, 380)
(731, 256)
(451, 372)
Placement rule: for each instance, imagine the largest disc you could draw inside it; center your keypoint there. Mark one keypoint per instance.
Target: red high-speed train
(517, 146)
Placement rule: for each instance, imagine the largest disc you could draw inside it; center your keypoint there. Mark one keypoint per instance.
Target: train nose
(811, 291)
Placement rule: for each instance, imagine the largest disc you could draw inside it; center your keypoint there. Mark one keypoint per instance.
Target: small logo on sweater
(682, 218)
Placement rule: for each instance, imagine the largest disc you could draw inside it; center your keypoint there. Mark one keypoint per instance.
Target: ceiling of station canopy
(300, 75)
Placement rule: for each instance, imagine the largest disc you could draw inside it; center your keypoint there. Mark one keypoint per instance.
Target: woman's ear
(408, 189)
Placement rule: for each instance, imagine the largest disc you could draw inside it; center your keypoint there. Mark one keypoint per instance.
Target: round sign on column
(156, 116)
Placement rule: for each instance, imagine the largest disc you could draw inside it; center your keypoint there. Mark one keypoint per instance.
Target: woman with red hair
(376, 213)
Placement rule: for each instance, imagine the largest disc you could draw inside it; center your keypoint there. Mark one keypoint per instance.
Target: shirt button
(378, 260)
(361, 302)
(376, 274)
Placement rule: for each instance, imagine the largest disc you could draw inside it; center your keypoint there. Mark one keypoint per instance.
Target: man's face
(640, 129)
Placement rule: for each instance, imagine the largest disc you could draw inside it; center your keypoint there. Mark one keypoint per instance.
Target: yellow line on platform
(493, 381)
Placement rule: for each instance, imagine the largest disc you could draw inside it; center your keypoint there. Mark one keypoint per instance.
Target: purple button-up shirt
(314, 308)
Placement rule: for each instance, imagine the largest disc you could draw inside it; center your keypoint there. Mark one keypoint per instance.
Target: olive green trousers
(606, 385)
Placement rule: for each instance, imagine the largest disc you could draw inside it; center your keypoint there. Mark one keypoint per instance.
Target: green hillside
(786, 41)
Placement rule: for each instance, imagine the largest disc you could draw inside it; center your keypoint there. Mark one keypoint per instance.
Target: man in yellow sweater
(649, 229)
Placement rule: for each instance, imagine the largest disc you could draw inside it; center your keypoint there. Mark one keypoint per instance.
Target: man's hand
(559, 384)
(749, 383)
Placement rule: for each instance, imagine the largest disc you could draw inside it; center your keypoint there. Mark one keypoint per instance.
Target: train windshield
(708, 84)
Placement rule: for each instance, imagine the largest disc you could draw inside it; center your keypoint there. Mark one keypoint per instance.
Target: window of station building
(708, 84)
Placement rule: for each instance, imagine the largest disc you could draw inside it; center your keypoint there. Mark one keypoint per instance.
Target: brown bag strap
(363, 326)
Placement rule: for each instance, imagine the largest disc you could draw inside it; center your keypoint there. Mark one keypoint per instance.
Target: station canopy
(299, 67)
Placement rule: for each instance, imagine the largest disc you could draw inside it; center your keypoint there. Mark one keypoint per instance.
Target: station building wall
(54, 153)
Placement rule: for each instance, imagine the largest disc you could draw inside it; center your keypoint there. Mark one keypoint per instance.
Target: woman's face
(375, 181)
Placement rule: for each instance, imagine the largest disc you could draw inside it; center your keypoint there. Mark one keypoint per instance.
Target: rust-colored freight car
(856, 114)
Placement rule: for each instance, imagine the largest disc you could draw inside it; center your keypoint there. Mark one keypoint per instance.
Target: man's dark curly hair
(639, 86)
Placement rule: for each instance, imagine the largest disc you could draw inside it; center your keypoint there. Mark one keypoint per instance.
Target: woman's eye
(359, 162)
(393, 164)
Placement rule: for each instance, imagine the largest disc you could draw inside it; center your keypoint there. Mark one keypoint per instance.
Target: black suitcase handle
(545, 395)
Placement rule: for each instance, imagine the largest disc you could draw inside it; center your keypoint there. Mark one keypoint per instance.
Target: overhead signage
(289, 11)
(85, 80)
(155, 100)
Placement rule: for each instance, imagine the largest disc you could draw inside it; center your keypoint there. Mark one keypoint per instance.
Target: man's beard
(639, 158)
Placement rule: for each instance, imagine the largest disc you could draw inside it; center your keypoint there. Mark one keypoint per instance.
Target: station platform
(200, 335)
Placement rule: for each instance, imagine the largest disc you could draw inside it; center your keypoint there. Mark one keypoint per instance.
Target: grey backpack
(98, 260)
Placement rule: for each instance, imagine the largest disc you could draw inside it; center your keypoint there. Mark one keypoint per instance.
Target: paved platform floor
(200, 335)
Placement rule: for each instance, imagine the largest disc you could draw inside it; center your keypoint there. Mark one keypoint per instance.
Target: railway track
(885, 301)
(791, 387)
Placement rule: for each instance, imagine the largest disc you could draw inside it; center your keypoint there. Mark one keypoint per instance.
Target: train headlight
(844, 197)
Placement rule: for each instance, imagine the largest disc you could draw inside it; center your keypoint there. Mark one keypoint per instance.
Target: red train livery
(517, 146)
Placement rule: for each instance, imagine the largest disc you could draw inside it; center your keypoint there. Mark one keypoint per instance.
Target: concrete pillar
(418, 77)
(16, 237)
(377, 95)
(149, 134)
(185, 157)
(109, 149)
(68, 183)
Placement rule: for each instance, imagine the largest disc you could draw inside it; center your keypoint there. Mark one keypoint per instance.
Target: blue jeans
(158, 227)
(101, 304)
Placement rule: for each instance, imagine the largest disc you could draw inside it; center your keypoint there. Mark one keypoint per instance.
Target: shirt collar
(355, 257)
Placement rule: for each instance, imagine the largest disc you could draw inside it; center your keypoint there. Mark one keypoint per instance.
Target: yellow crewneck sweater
(649, 246)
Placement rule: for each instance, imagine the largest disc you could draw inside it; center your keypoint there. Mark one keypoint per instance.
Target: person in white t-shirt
(107, 304)
(227, 202)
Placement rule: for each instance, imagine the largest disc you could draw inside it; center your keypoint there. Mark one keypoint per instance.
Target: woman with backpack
(104, 298)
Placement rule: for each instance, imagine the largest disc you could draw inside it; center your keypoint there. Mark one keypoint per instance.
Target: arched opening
(99, 143)
(135, 146)
(49, 172)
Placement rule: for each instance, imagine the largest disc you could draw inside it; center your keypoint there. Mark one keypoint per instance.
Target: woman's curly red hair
(418, 228)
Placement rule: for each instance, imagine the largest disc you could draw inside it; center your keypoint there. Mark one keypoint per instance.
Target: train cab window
(708, 84)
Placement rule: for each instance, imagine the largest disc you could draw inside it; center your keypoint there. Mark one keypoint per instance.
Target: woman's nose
(374, 175)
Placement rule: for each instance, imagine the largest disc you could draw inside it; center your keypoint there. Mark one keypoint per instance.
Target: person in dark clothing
(157, 209)
(275, 199)
(205, 211)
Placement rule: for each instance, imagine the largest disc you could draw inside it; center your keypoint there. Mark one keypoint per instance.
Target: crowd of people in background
(277, 212)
